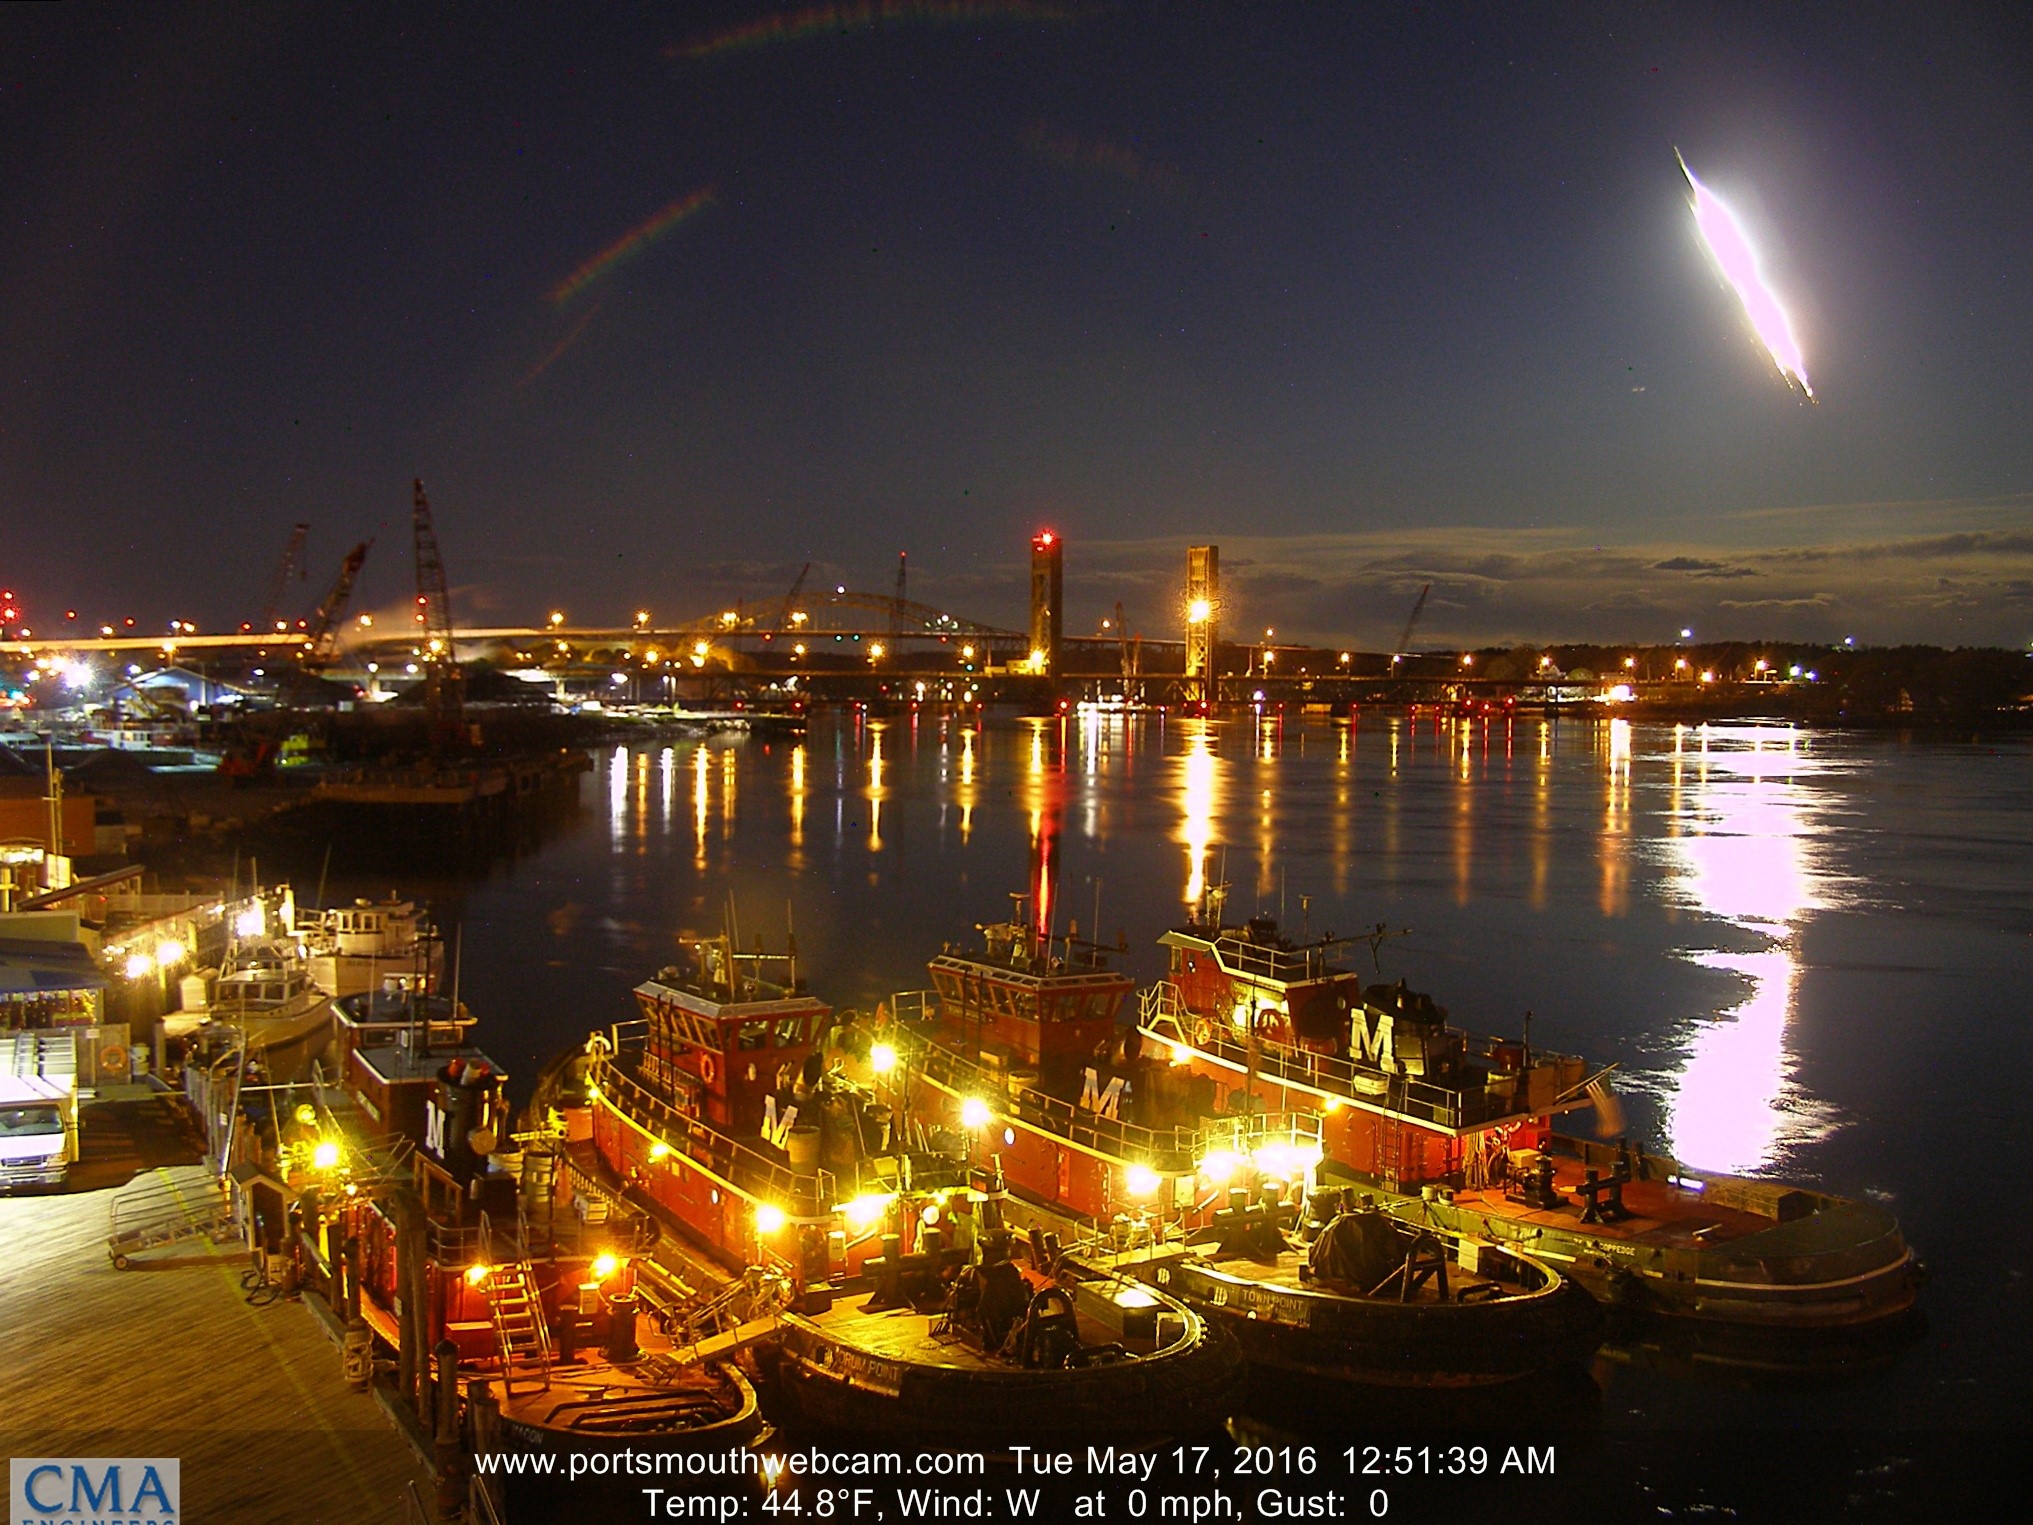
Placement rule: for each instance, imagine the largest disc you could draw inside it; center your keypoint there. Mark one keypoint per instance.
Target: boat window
(788, 1031)
(753, 1035)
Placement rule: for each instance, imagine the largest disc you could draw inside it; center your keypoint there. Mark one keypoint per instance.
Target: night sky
(1371, 295)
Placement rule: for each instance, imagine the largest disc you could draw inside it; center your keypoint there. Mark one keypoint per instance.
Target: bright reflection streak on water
(1743, 851)
(1199, 802)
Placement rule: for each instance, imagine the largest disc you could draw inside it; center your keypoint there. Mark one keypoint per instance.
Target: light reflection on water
(1713, 836)
(1742, 826)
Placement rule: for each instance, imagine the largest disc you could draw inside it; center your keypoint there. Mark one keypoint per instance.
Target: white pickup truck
(38, 1110)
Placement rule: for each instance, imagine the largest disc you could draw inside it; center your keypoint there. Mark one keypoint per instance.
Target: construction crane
(324, 624)
(442, 679)
(790, 607)
(289, 570)
(1404, 646)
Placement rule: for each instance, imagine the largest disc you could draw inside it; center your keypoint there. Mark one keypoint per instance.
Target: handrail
(1447, 1106)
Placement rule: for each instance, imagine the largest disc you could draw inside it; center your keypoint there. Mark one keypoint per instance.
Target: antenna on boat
(319, 904)
(458, 964)
(1305, 918)
(791, 942)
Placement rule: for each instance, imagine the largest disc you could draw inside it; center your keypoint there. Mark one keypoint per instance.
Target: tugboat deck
(1661, 1214)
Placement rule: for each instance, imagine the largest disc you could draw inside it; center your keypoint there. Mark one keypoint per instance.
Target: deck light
(1286, 1161)
(604, 1266)
(882, 1058)
(1140, 1180)
(138, 965)
(769, 1218)
(250, 922)
(478, 1272)
(325, 1156)
(659, 1150)
(169, 951)
(863, 1212)
(974, 1113)
(1217, 1168)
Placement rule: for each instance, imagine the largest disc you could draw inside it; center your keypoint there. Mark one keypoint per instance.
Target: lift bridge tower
(1203, 620)
(1048, 602)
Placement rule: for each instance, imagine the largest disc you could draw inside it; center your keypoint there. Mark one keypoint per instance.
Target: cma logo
(99, 1490)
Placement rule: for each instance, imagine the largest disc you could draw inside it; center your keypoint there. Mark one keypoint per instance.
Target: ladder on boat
(522, 1341)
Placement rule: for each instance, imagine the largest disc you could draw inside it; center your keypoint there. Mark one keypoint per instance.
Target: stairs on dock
(522, 1341)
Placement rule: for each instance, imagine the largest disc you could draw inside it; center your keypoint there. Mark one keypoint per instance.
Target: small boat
(264, 1000)
(1121, 1152)
(1457, 1137)
(908, 1307)
(355, 948)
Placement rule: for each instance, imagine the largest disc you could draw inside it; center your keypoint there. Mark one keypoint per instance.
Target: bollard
(357, 1355)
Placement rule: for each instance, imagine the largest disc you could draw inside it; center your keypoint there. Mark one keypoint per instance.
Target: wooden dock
(169, 1359)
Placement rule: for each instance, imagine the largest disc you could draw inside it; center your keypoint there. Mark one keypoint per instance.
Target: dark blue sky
(1371, 295)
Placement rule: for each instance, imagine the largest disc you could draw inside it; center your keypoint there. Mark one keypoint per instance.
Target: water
(1807, 952)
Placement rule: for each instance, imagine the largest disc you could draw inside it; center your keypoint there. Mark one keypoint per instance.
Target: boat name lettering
(1103, 1103)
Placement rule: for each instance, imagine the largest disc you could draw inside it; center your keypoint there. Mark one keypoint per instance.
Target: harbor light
(641, 618)
(974, 1113)
(605, 1265)
(876, 651)
(477, 1273)
(769, 1218)
(325, 1156)
(139, 965)
(1140, 1180)
(557, 618)
(169, 952)
(882, 1058)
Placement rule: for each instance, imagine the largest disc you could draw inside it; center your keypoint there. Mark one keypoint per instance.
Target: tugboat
(1458, 1137)
(905, 1305)
(1112, 1143)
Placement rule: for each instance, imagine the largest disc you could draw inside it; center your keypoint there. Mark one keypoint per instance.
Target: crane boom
(1404, 645)
(290, 569)
(790, 607)
(324, 625)
(434, 617)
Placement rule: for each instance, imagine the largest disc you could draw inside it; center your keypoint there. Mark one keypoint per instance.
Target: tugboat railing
(1163, 1016)
(1167, 1150)
(810, 1192)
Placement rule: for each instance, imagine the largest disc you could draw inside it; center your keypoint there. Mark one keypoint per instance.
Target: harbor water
(1808, 953)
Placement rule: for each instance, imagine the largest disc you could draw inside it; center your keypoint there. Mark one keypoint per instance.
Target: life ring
(113, 1060)
(706, 1068)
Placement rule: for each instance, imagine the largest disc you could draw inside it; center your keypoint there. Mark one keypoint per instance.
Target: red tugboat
(1459, 1137)
(1112, 1145)
(907, 1307)
(457, 1248)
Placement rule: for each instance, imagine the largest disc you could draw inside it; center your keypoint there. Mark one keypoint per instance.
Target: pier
(171, 1359)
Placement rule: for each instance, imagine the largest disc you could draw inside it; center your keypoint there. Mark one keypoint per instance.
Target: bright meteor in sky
(1732, 250)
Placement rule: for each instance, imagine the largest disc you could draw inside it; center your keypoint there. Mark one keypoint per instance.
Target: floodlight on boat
(659, 1150)
(1140, 1180)
(864, 1211)
(974, 1113)
(604, 1266)
(325, 1155)
(1284, 1160)
(477, 1273)
(882, 1058)
(1219, 1166)
(250, 922)
(769, 1218)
